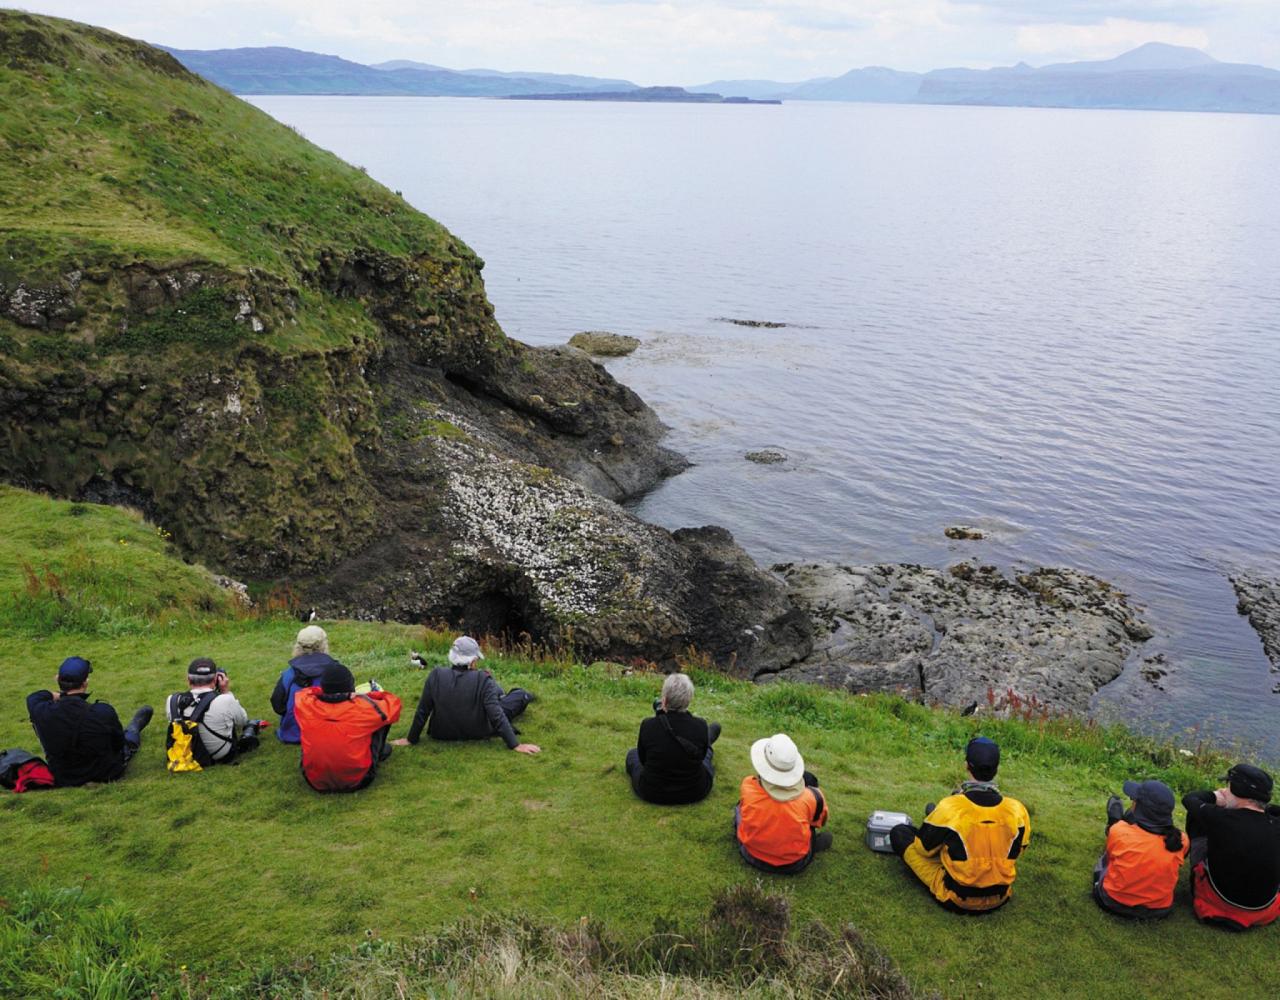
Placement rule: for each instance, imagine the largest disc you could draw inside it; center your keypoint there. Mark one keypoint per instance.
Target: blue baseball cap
(75, 669)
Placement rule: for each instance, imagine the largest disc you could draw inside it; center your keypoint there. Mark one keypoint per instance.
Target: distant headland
(650, 95)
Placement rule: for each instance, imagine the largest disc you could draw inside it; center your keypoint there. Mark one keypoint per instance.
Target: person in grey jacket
(462, 703)
(225, 729)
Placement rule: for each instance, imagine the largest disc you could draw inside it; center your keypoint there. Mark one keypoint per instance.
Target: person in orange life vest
(780, 809)
(1138, 870)
(966, 850)
(344, 734)
(1235, 851)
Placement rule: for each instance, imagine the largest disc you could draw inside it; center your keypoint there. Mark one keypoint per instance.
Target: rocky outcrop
(603, 344)
(496, 545)
(1051, 638)
(300, 378)
(1258, 598)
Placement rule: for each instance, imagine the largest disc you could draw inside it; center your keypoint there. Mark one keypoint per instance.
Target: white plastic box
(879, 823)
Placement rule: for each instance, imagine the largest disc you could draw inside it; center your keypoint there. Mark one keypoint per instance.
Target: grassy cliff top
(452, 832)
(112, 152)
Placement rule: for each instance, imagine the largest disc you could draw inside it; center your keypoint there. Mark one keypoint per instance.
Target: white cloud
(1107, 38)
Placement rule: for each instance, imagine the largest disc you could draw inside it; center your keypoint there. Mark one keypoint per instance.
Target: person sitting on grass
(1235, 851)
(967, 849)
(83, 742)
(310, 658)
(344, 734)
(671, 763)
(224, 727)
(780, 810)
(460, 703)
(1138, 870)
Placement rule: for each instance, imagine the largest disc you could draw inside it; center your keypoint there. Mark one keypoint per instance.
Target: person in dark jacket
(671, 763)
(83, 741)
(310, 658)
(461, 703)
(1235, 851)
(1138, 870)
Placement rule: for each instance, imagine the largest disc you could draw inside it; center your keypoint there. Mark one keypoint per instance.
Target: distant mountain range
(1152, 77)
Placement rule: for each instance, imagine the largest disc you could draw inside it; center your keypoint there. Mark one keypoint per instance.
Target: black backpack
(184, 748)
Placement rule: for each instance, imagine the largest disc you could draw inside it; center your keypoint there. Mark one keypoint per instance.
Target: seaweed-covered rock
(603, 344)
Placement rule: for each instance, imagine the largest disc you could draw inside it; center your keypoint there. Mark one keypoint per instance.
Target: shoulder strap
(818, 803)
(381, 714)
(688, 746)
(202, 706)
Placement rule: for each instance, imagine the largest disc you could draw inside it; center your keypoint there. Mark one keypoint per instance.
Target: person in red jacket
(1137, 873)
(780, 810)
(344, 734)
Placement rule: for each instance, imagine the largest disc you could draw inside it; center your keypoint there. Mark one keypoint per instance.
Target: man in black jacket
(466, 704)
(83, 741)
(1235, 850)
(671, 763)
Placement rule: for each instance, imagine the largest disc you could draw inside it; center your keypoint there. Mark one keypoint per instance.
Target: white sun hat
(465, 651)
(777, 760)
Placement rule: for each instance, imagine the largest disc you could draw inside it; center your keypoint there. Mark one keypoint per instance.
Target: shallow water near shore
(1062, 327)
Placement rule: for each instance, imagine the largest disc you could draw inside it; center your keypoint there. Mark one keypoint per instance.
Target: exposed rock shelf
(1259, 598)
(964, 635)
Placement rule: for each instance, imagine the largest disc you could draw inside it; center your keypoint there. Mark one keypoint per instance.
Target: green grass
(85, 569)
(455, 833)
(112, 155)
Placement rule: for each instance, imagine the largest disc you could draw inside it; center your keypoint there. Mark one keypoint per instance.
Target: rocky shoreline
(967, 636)
(1258, 598)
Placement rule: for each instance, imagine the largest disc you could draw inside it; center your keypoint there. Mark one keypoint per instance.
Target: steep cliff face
(300, 377)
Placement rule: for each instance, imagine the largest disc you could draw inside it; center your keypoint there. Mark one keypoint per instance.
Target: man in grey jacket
(463, 703)
(225, 729)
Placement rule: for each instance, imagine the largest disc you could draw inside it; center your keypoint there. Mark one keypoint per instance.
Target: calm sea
(1061, 326)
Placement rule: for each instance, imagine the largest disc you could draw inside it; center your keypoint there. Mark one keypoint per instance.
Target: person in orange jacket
(344, 734)
(1138, 871)
(780, 810)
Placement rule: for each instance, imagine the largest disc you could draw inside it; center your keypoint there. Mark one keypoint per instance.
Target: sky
(695, 41)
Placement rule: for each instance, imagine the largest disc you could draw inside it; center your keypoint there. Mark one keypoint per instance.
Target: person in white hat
(461, 703)
(310, 658)
(780, 809)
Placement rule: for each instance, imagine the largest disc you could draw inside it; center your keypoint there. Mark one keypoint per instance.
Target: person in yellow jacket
(966, 850)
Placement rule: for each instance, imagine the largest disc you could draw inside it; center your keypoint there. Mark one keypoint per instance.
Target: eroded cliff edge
(300, 378)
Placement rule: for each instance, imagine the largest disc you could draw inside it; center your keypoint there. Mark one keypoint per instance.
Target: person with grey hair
(224, 726)
(671, 763)
(462, 703)
(310, 658)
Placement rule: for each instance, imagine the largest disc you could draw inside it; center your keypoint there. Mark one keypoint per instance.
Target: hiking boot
(713, 732)
(821, 841)
(133, 731)
(930, 808)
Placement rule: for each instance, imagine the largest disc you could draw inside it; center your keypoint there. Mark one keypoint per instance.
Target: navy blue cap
(983, 756)
(75, 669)
(1154, 800)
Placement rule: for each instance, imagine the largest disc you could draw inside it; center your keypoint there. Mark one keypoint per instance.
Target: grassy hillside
(472, 832)
(191, 296)
(114, 152)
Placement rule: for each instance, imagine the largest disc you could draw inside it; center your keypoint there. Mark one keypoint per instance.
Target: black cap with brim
(982, 755)
(1249, 782)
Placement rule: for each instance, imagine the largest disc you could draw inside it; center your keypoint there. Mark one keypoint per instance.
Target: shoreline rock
(604, 344)
(964, 533)
(1258, 599)
(1049, 639)
(766, 456)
